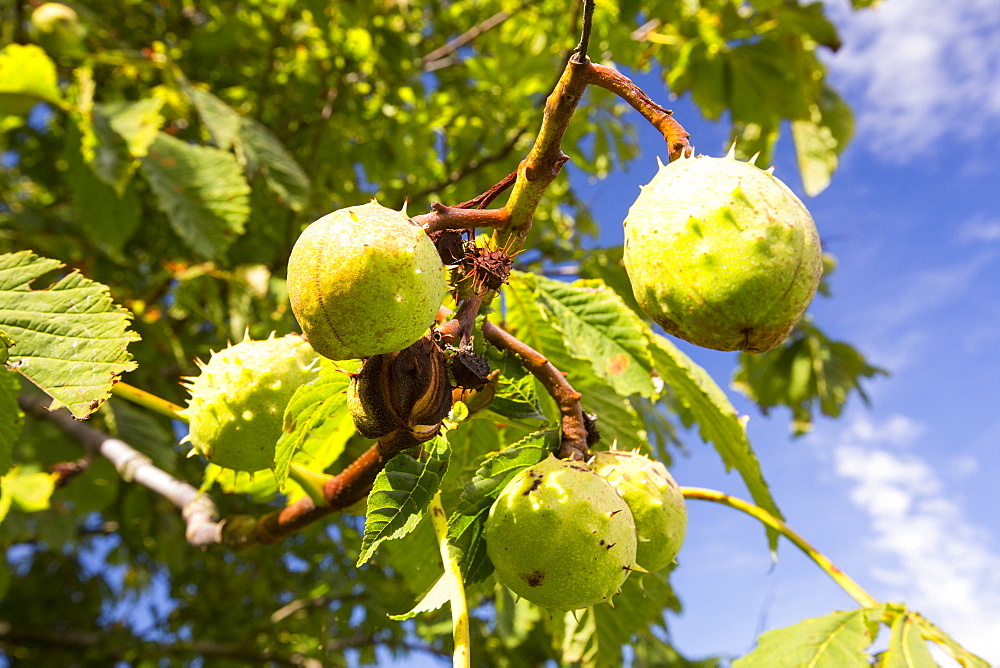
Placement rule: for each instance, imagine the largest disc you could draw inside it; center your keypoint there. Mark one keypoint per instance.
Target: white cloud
(938, 562)
(925, 71)
(980, 229)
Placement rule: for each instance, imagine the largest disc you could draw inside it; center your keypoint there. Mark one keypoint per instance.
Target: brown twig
(443, 217)
(574, 431)
(438, 58)
(580, 52)
(677, 137)
(66, 471)
(483, 200)
(459, 327)
(342, 490)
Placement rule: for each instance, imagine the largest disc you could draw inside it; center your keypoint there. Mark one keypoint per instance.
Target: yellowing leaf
(907, 647)
(27, 77)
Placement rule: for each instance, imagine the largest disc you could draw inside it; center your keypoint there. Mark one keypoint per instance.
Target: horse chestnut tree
(504, 429)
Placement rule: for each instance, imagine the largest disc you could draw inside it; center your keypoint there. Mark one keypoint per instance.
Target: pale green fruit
(560, 536)
(237, 403)
(655, 500)
(363, 281)
(722, 254)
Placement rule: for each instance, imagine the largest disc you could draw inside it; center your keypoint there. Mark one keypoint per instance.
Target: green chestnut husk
(656, 502)
(364, 281)
(237, 403)
(722, 254)
(560, 536)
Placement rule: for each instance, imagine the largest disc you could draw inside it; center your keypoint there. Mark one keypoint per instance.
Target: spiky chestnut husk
(480, 270)
(655, 500)
(238, 401)
(364, 281)
(560, 536)
(407, 390)
(722, 254)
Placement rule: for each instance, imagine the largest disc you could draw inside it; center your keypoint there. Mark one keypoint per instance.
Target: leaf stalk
(846, 582)
(456, 587)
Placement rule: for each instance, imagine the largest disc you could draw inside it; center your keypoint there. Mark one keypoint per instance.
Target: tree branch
(471, 167)
(443, 217)
(580, 52)
(79, 639)
(574, 430)
(199, 510)
(438, 58)
(677, 137)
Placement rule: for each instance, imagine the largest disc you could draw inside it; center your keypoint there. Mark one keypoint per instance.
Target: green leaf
(202, 191)
(702, 402)
(580, 646)
(467, 524)
(114, 135)
(608, 265)
(527, 320)
(907, 647)
(262, 153)
(258, 150)
(436, 596)
(320, 427)
(806, 369)
(637, 610)
(515, 398)
(766, 81)
(138, 123)
(821, 139)
(598, 326)
(108, 217)
(27, 77)
(418, 556)
(221, 120)
(837, 640)
(401, 493)
(71, 338)
(755, 141)
(105, 152)
(11, 416)
(314, 413)
(6, 343)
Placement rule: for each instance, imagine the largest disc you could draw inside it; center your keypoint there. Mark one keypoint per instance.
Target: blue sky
(903, 495)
